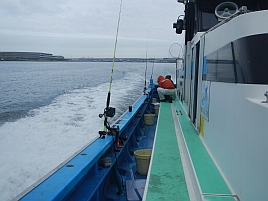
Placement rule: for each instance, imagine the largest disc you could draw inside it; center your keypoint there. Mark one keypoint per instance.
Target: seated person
(166, 87)
(169, 77)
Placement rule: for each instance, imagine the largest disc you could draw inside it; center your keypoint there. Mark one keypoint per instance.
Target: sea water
(49, 111)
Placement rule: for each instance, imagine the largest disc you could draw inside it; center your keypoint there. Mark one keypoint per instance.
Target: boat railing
(84, 166)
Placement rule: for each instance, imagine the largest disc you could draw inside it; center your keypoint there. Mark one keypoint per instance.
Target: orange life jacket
(165, 83)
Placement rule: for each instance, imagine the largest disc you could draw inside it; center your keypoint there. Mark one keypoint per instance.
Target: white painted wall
(237, 137)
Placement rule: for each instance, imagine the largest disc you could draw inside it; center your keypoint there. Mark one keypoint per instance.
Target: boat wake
(38, 143)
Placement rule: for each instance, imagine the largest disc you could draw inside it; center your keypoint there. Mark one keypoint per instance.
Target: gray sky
(87, 28)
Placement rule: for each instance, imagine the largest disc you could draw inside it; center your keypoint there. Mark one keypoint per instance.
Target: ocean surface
(49, 111)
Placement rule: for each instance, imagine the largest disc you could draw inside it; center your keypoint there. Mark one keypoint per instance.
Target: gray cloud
(87, 28)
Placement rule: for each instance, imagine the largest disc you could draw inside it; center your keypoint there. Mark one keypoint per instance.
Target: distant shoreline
(48, 57)
(150, 60)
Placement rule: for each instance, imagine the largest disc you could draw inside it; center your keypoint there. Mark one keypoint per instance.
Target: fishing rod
(145, 72)
(110, 111)
(152, 69)
(151, 80)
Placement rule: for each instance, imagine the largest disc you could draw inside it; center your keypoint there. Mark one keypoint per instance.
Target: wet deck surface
(167, 179)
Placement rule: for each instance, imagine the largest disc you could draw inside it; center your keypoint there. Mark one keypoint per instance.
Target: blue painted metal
(82, 178)
(59, 184)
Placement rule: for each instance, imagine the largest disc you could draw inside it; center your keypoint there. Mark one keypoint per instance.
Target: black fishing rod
(151, 79)
(145, 73)
(110, 111)
(152, 70)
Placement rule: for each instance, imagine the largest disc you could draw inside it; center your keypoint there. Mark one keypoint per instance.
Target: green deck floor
(167, 180)
(209, 177)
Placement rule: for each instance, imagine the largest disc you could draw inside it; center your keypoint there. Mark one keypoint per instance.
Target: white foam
(33, 146)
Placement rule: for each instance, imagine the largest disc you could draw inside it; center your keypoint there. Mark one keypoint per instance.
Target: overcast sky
(87, 28)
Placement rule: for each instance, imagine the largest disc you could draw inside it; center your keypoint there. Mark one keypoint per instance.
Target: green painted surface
(208, 175)
(219, 198)
(167, 181)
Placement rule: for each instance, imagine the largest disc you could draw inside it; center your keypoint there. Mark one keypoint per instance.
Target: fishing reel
(108, 112)
(111, 131)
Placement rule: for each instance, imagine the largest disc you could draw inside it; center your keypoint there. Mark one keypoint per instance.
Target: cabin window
(220, 65)
(251, 59)
(206, 10)
(207, 17)
(243, 61)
